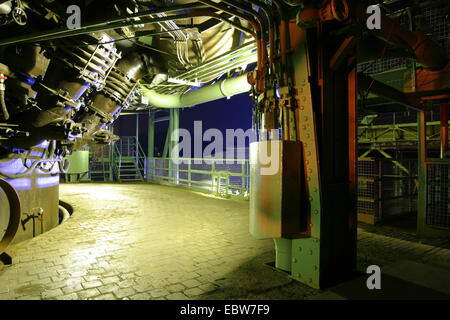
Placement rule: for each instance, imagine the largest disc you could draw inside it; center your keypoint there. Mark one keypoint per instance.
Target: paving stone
(193, 292)
(191, 283)
(107, 296)
(108, 288)
(91, 284)
(177, 296)
(156, 293)
(176, 288)
(70, 296)
(140, 296)
(124, 292)
(169, 243)
(89, 293)
(72, 288)
(51, 293)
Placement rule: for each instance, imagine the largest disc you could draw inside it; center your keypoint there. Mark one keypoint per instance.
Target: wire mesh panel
(435, 24)
(386, 188)
(367, 189)
(438, 195)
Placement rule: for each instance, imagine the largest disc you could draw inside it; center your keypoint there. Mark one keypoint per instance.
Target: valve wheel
(339, 9)
(19, 16)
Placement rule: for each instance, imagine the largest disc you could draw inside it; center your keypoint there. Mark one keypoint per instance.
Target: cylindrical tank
(37, 190)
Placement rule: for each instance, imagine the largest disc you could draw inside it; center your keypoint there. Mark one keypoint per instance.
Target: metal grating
(386, 188)
(429, 20)
(366, 186)
(438, 195)
(438, 25)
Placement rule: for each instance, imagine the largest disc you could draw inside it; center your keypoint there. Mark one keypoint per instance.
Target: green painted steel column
(151, 135)
(151, 142)
(137, 140)
(111, 161)
(173, 141)
(283, 249)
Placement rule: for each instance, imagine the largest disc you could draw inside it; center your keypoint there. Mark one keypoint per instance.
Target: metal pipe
(124, 22)
(224, 88)
(426, 51)
(2, 97)
(243, 16)
(258, 18)
(267, 9)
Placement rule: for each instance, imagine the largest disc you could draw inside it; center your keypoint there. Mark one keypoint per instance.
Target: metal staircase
(128, 160)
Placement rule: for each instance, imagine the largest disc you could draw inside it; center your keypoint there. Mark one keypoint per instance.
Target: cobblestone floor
(157, 242)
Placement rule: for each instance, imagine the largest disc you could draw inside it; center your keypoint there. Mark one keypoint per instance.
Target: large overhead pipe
(424, 50)
(221, 89)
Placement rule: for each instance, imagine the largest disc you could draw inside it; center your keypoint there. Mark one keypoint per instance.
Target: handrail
(157, 172)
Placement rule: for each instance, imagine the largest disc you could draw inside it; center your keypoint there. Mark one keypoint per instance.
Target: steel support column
(326, 121)
(173, 141)
(151, 142)
(422, 188)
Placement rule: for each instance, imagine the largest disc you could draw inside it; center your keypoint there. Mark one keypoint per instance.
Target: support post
(173, 140)
(151, 142)
(326, 121)
(444, 127)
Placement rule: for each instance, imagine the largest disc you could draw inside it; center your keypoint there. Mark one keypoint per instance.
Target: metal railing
(224, 177)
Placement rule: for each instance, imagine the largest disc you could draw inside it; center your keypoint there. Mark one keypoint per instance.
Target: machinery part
(64, 166)
(14, 214)
(39, 215)
(5, 7)
(339, 9)
(124, 22)
(310, 16)
(94, 62)
(276, 193)
(70, 74)
(224, 88)
(32, 166)
(19, 16)
(2, 97)
(119, 89)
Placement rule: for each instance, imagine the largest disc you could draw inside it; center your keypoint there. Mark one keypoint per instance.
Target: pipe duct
(225, 88)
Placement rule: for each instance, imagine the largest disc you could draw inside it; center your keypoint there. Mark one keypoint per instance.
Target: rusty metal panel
(275, 198)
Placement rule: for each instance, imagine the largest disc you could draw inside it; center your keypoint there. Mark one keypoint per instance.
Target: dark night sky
(221, 114)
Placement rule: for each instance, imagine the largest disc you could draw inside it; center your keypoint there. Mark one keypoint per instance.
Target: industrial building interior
(224, 149)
